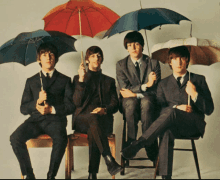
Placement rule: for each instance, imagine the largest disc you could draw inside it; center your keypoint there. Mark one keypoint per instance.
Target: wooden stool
(39, 142)
(78, 139)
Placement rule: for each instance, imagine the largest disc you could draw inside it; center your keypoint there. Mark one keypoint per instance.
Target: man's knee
(60, 140)
(147, 103)
(130, 104)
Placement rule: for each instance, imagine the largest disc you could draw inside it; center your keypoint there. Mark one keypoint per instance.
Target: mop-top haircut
(180, 51)
(93, 50)
(47, 47)
(134, 37)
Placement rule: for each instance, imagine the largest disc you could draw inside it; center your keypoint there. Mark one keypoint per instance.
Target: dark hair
(94, 50)
(134, 37)
(180, 51)
(47, 47)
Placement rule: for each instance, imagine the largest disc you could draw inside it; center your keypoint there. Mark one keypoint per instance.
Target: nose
(179, 61)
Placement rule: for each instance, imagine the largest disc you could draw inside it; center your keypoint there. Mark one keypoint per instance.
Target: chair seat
(77, 135)
(43, 136)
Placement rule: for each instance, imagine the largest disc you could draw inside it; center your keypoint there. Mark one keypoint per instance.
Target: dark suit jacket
(127, 75)
(107, 93)
(59, 95)
(169, 94)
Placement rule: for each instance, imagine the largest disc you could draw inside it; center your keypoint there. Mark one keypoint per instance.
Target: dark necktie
(178, 81)
(47, 77)
(137, 69)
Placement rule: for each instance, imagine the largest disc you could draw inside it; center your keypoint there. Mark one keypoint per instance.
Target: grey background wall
(26, 15)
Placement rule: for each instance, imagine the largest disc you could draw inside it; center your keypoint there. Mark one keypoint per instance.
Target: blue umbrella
(23, 48)
(147, 19)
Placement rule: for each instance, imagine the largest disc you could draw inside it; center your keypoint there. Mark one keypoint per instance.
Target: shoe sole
(116, 171)
(127, 157)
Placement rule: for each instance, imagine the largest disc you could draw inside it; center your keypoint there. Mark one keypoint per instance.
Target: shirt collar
(139, 60)
(183, 76)
(50, 73)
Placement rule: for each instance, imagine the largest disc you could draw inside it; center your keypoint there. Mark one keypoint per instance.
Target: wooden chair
(40, 142)
(193, 149)
(78, 139)
(126, 163)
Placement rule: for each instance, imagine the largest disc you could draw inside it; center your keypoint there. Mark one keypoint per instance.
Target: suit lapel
(186, 79)
(132, 69)
(143, 68)
(174, 81)
(53, 78)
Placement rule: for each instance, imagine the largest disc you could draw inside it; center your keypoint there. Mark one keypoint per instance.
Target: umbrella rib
(69, 19)
(88, 22)
(103, 15)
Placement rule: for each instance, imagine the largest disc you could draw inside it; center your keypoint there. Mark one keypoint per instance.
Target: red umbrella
(66, 18)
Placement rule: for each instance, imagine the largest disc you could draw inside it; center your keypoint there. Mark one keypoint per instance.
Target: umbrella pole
(189, 95)
(41, 82)
(147, 42)
(80, 29)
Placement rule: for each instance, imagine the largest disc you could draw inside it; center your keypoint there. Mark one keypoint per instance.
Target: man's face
(135, 49)
(95, 61)
(47, 60)
(179, 64)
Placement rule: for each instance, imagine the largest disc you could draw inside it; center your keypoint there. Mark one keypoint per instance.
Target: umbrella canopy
(23, 48)
(202, 51)
(148, 18)
(91, 17)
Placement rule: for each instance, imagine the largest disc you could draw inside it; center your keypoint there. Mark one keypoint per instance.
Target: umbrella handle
(189, 95)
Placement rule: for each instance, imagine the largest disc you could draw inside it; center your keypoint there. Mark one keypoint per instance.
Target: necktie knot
(47, 77)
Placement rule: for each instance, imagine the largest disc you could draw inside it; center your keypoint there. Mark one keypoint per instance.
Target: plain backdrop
(18, 16)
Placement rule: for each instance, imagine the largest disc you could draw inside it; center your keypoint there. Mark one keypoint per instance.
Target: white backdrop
(26, 15)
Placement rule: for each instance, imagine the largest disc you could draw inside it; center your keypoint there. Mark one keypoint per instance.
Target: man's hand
(99, 111)
(46, 109)
(126, 93)
(151, 79)
(185, 108)
(191, 90)
(82, 72)
(42, 97)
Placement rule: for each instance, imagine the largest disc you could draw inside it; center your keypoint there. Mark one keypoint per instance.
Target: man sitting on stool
(177, 118)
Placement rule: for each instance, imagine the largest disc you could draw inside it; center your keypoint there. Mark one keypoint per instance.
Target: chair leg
(113, 153)
(68, 171)
(22, 177)
(72, 158)
(196, 158)
(156, 168)
(123, 165)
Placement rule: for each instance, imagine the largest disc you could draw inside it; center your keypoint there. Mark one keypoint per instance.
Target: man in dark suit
(96, 101)
(177, 118)
(47, 108)
(138, 76)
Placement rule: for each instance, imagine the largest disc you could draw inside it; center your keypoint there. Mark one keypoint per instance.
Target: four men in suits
(92, 98)
(138, 76)
(47, 108)
(177, 118)
(96, 101)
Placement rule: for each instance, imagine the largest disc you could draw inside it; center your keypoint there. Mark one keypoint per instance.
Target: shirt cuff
(144, 87)
(140, 96)
(174, 106)
(53, 110)
(195, 99)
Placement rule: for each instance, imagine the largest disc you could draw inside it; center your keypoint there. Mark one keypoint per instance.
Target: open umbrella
(23, 48)
(147, 19)
(84, 17)
(202, 51)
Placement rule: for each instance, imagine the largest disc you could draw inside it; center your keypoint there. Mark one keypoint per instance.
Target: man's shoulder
(108, 78)
(197, 76)
(61, 75)
(165, 80)
(123, 61)
(153, 61)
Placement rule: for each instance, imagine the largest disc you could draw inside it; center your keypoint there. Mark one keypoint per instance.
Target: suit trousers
(172, 123)
(98, 141)
(140, 109)
(29, 130)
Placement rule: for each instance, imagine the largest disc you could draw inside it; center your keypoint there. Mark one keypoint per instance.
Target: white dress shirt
(143, 86)
(51, 75)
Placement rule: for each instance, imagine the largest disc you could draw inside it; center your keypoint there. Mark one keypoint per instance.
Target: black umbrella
(23, 48)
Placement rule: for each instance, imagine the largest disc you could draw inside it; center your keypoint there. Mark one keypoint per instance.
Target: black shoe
(30, 176)
(131, 151)
(92, 176)
(166, 177)
(152, 151)
(112, 166)
(49, 176)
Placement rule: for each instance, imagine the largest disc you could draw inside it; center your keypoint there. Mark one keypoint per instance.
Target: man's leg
(57, 131)
(18, 139)
(131, 111)
(166, 154)
(147, 118)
